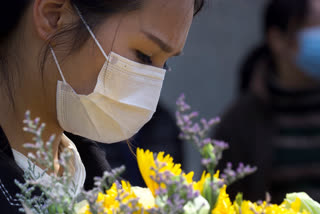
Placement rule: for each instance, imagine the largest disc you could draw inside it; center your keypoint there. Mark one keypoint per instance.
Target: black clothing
(93, 159)
(159, 134)
(91, 155)
(280, 135)
(9, 172)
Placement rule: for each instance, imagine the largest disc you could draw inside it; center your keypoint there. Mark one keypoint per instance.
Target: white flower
(145, 196)
(307, 203)
(199, 205)
(26, 209)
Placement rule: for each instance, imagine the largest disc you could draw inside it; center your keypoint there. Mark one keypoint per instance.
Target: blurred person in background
(275, 122)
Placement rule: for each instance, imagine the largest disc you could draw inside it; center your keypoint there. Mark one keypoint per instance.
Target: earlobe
(47, 16)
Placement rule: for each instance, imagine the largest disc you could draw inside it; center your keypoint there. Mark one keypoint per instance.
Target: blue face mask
(308, 58)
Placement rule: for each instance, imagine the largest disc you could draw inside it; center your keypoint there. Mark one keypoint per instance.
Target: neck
(12, 125)
(29, 94)
(291, 77)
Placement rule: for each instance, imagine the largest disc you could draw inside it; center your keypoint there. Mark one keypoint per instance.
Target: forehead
(168, 19)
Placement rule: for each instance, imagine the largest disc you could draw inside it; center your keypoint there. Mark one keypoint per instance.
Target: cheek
(83, 69)
(127, 40)
(290, 51)
(86, 79)
(87, 63)
(294, 51)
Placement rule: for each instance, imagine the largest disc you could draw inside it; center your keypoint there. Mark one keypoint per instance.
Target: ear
(276, 41)
(50, 15)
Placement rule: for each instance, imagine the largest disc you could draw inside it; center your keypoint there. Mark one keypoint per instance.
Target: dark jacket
(159, 134)
(9, 172)
(247, 127)
(92, 157)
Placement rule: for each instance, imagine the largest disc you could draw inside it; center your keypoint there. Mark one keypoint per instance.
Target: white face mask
(124, 99)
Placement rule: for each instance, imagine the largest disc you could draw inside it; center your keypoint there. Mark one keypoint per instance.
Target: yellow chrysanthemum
(199, 185)
(224, 205)
(188, 177)
(169, 165)
(146, 163)
(248, 207)
(110, 202)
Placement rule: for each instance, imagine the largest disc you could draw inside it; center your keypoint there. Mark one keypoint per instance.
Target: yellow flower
(82, 208)
(296, 205)
(188, 177)
(110, 201)
(247, 207)
(282, 209)
(200, 184)
(224, 205)
(147, 164)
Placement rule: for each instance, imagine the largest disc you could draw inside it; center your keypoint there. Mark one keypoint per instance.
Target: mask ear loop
(57, 63)
(91, 33)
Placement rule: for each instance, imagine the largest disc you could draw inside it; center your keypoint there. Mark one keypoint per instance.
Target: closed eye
(145, 59)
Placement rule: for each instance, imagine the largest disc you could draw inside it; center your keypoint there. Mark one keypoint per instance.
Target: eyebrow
(164, 46)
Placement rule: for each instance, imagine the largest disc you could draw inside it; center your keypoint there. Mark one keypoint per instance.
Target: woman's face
(285, 46)
(150, 36)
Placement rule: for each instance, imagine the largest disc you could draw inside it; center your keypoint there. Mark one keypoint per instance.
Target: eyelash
(144, 58)
(147, 59)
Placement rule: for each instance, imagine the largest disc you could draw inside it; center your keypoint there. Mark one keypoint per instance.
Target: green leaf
(239, 199)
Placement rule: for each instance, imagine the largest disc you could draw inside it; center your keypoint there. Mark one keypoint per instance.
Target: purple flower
(210, 150)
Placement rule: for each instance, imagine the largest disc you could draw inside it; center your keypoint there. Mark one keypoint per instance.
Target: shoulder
(8, 189)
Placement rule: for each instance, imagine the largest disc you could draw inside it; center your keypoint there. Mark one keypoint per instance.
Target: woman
(92, 68)
(276, 126)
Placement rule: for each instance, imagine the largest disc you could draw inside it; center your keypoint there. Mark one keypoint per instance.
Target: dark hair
(285, 15)
(93, 10)
(248, 67)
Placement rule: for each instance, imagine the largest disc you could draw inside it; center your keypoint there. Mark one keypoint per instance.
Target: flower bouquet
(169, 189)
